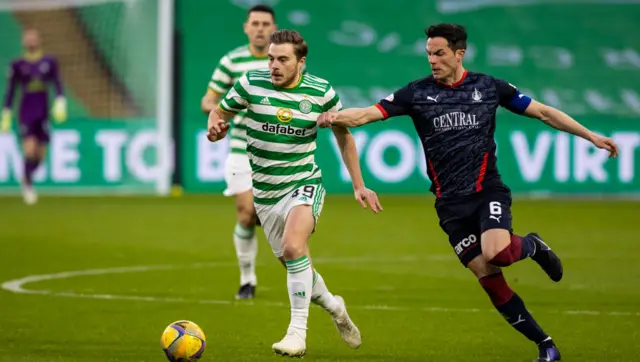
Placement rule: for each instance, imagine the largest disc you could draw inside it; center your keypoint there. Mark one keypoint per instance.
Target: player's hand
(218, 132)
(365, 196)
(216, 128)
(606, 144)
(326, 119)
(5, 122)
(60, 110)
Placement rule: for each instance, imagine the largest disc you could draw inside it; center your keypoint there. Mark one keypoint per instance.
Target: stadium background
(586, 66)
(97, 279)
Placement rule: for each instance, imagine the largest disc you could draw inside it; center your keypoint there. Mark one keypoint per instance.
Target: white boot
(292, 345)
(348, 330)
(29, 195)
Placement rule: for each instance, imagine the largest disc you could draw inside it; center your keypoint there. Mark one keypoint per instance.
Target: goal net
(115, 61)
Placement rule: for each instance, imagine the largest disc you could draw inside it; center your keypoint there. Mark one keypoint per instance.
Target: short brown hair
(286, 36)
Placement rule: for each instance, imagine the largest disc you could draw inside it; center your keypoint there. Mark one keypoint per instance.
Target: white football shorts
(273, 217)
(237, 174)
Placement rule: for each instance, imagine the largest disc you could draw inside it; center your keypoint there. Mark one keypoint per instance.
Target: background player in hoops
(34, 72)
(259, 26)
(454, 113)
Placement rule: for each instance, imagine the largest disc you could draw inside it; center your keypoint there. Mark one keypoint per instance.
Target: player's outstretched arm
(347, 146)
(563, 122)
(350, 117)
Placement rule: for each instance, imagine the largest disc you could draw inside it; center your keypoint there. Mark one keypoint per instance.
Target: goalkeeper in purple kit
(34, 72)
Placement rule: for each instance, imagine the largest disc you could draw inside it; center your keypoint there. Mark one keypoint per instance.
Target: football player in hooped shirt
(34, 73)
(454, 113)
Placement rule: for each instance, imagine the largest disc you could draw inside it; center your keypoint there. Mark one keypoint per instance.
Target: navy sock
(512, 308)
(519, 248)
(30, 166)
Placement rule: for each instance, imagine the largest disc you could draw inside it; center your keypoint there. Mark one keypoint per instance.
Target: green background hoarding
(588, 67)
(89, 156)
(587, 64)
(531, 158)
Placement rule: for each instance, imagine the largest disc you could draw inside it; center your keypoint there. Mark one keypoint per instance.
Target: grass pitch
(137, 264)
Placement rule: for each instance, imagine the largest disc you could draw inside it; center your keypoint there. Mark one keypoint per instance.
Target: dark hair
(286, 36)
(455, 34)
(260, 8)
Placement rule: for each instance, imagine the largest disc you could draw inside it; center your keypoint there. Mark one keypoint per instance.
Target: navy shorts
(37, 129)
(465, 218)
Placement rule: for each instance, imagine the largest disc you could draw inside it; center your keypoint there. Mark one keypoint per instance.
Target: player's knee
(298, 226)
(292, 248)
(31, 153)
(493, 242)
(246, 216)
(247, 220)
(30, 147)
(489, 254)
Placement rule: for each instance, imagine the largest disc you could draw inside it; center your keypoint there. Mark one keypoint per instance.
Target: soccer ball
(183, 341)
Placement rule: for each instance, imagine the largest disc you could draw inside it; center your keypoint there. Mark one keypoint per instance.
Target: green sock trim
(243, 232)
(296, 261)
(298, 265)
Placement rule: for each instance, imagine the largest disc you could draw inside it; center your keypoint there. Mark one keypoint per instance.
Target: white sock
(246, 244)
(321, 296)
(299, 281)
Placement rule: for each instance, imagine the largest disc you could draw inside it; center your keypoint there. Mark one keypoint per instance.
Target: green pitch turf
(403, 285)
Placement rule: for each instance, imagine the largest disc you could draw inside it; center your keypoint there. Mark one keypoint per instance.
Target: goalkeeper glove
(60, 109)
(5, 123)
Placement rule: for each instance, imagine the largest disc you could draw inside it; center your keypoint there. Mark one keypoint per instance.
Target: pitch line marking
(17, 286)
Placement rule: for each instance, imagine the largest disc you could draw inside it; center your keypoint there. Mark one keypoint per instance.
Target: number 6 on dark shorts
(465, 219)
(495, 213)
